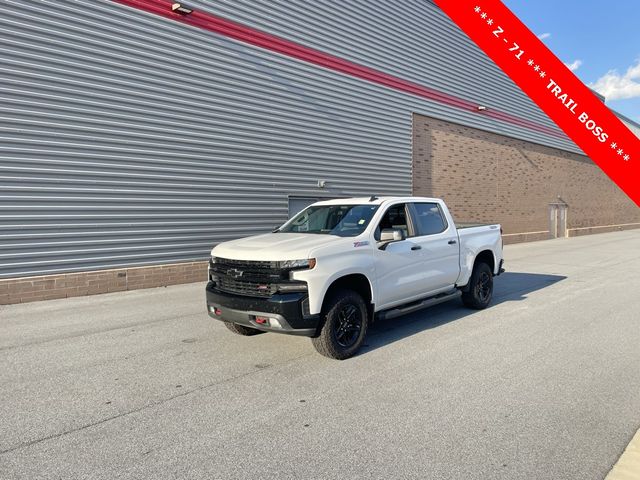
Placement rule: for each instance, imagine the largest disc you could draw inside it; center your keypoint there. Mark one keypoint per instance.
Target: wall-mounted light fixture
(322, 183)
(181, 9)
(481, 108)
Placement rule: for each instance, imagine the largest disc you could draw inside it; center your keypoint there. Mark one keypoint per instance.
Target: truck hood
(274, 246)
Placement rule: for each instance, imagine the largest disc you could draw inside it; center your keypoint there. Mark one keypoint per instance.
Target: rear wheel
(241, 329)
(345, 326)
(480, 290)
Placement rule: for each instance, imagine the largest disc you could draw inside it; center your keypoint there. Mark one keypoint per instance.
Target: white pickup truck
(339, 264)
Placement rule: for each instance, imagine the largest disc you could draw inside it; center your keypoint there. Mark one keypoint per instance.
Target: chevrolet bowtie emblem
(234, 273)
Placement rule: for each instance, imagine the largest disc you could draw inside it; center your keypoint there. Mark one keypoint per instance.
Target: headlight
(298, 264)
(292, 287)
(214, 259)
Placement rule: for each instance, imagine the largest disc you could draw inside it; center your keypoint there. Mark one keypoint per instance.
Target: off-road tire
(241, 329)
(480, 291)
(346, 320)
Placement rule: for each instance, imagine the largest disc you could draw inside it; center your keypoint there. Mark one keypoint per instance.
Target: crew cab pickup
(339, 264)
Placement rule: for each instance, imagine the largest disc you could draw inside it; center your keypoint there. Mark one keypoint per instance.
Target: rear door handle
(416, 247)
(452, 242)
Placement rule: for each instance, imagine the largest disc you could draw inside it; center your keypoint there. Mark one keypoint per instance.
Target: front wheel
(480, 289)
(345, 325)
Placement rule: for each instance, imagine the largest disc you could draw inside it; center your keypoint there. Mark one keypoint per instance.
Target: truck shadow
(509, 287)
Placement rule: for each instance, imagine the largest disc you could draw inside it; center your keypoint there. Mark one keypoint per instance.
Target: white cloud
(615, 86)
(575, 65)
(544, 36)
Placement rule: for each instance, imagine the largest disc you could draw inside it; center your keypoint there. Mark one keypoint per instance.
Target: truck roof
(377, 201)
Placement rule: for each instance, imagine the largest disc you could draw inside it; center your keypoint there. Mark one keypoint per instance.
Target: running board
(419, 305)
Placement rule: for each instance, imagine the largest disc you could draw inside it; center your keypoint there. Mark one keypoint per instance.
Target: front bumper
(288, 309)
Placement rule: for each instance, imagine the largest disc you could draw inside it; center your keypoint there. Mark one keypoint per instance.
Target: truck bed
(462, 225)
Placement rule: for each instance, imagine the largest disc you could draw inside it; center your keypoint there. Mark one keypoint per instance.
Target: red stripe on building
(243, 33)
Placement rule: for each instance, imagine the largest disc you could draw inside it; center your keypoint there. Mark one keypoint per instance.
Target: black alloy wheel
(484, 287)
(345, 322)
(347, 328)
(479, 291)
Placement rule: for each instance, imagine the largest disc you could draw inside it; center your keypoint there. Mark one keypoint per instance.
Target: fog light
(275, 323)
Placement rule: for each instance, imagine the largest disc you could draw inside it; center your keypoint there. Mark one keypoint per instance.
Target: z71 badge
(360, 244)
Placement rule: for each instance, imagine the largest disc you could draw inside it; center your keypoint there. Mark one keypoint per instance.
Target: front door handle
(452, 242)
(416, 247)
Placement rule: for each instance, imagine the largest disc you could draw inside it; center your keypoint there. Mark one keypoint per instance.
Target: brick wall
(488, 177)
(47, 287)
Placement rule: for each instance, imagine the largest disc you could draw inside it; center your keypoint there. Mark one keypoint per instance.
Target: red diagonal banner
(550, 84)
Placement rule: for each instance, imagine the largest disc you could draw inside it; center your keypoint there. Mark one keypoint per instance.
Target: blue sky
(601, 40)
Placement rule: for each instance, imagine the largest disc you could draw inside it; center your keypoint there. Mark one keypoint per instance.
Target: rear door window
(429, 219)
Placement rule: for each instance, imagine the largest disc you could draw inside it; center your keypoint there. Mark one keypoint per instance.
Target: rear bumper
(285, 311)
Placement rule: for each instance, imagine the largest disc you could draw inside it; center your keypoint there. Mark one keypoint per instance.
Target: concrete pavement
(544, 384)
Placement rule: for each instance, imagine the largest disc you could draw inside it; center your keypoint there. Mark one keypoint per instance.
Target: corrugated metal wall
(634, 127)
(128, 139)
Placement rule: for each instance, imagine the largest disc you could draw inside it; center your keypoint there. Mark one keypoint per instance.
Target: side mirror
(391, 235)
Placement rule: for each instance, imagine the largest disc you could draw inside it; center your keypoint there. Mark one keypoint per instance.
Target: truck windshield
(340, 220)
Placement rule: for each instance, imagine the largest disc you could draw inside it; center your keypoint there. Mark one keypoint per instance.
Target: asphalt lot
(545, 384)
